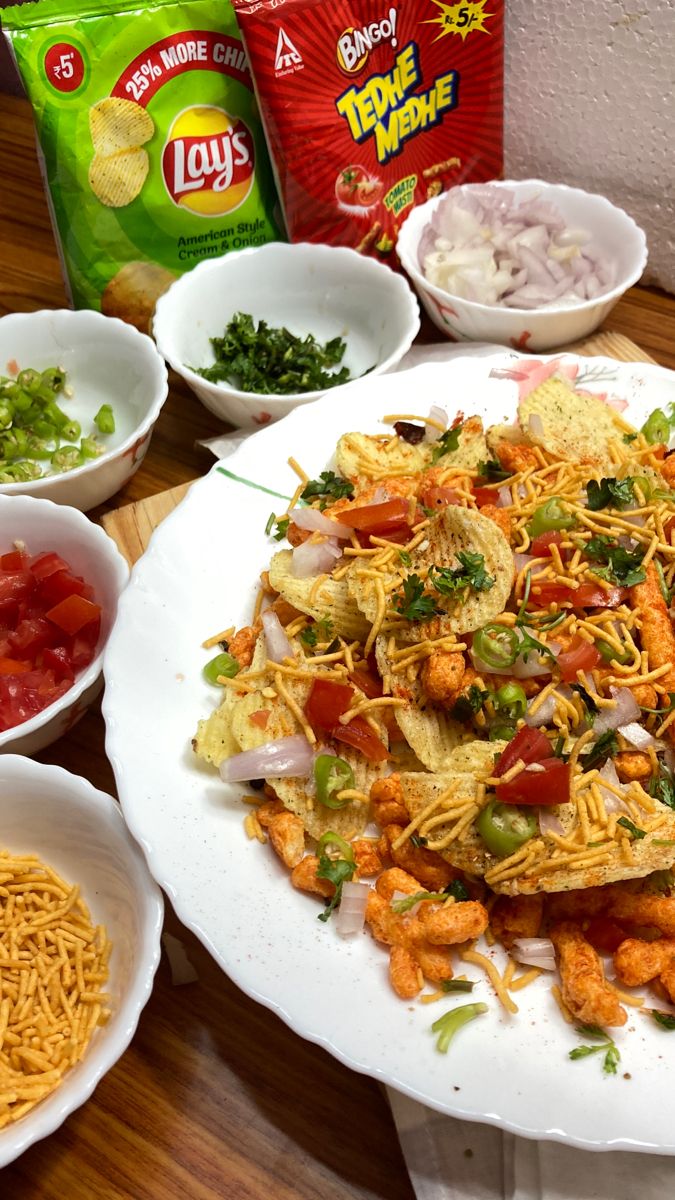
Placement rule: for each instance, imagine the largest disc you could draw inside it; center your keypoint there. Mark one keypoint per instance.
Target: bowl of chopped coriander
(79, 397)
(257, 332)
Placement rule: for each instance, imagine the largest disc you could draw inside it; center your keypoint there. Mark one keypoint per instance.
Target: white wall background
(590, 101)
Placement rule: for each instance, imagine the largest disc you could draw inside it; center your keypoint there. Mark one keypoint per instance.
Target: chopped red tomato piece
(546, 782)
(485, 495)
(581, 656)
(370, 685)
(13, 561)
(60, 585)
(440, 497)
(541, 545)
(13, 666)
(326, 703)
(57, 659)
(529, 744)
(73, 613)
(260, 718)
(587, 595)
(32, 635)
(16, 585)
(44, 565)
(359, 735)
(377, 518)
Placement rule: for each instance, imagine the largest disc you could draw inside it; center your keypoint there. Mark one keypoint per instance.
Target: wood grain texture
(216, 1097)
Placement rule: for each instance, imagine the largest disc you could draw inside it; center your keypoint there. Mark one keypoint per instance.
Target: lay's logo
(208, 161)
(354, 45)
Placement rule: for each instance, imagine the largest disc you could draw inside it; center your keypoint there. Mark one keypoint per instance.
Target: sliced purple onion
(504, 497)
(351, 914)
(431, 434)
(286, 758)
(627, 709)
(534, 952)
(612, 802)
(278, 645)
(315, 558)
(318, 522)
(549, 822)
(522, 560)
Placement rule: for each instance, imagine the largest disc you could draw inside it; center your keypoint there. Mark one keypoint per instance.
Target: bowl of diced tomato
(60, 580)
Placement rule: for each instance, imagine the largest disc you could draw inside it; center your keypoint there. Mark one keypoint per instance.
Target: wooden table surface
(215, 1097)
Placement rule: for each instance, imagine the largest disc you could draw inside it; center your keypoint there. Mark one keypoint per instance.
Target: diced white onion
(522, 560)
(504, 496)
(316, 521)
(639, 737)
(350, 916)
(278, 645)
(314, 558)
(612, 802)
(288, 757)
(627, 709)
(534, 952)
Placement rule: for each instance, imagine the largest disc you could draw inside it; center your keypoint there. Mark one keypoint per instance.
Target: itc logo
(287, 57)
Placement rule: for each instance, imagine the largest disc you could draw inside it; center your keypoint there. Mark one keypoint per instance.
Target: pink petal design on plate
(263, 418)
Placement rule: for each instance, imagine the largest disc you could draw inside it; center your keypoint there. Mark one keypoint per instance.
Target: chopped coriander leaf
(628, 438)
(405, 558)
(469, 703)
(662, 788)
(319, 631)
(308, 635)
(429, 512)
(626, 823)
(336, 870)
(589, 703)
(592, 1031)
(446, 443)
(412, 603)
(668, 707)
(447, 1026)
(493, 471)
(605, 747)
(273, 361)
(417, 840)
(457, 985)
(470, 574)
(665, 1020)
(622, 566)
(610, 493)
(605, 1046)
(328, 485)
(457, 889)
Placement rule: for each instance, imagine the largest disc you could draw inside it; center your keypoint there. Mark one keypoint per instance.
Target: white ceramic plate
(199, 576)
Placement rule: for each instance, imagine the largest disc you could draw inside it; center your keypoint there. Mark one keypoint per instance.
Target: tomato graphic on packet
(355, 188)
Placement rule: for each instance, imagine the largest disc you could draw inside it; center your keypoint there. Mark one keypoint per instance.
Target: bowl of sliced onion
(529, 264)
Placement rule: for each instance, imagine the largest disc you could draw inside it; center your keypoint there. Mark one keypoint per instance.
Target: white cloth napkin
(450, 1159)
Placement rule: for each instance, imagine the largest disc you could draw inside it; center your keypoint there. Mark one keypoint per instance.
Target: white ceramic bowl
(328, 291)
(106, 362)
(81, 833)
(612, 231)
(43, 525)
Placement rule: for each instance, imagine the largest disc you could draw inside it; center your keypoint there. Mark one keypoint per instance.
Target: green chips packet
(151, 145)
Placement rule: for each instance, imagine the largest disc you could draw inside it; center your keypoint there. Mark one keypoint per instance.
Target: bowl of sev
(80, 923)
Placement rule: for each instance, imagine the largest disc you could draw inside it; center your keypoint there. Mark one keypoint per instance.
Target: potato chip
(471, 447)
(571, 425)
(360, 456)
(331, 599)
(117, 179)
(118, 124)
(429, 730)
(131, 294)
(454, 530)
(214, 740)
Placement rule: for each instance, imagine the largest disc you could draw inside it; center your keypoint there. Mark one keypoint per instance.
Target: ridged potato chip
(118, 124)
(429, 730)
(455, 529)
(214, 740)
(332, 598)
(565, 423)
(117, 179)
(360, 456)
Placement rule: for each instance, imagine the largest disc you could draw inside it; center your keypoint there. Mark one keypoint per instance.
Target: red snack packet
(371, 107)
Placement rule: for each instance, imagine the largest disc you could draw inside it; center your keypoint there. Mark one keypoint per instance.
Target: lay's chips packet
(151, 145)
(373, 106)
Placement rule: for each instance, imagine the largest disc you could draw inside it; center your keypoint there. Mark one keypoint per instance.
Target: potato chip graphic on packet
(117, 179)
(117, 124)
